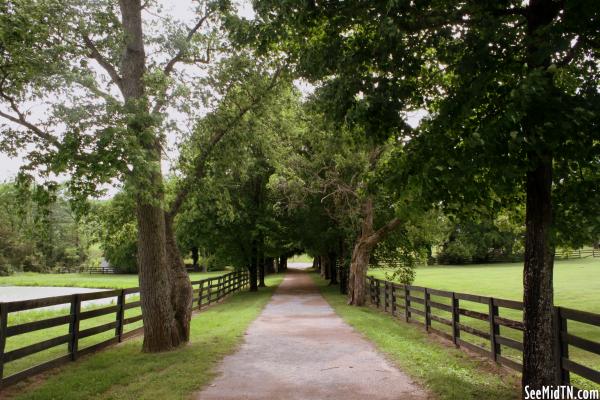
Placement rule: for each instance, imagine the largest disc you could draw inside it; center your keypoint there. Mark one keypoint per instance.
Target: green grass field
(124, 372)
(576, 281)
(447, 372)
(80, 280)
(576, 285)
(101, 281)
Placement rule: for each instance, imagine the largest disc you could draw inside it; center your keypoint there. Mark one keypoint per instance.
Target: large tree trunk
(358, 272)
(270, 265)
(195, 257)
(163, 329)
(539, 361)
(325, 266)
(160, 333)
(283, 263)
(361, 253)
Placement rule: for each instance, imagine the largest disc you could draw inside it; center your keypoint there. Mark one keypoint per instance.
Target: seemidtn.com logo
(560, 393)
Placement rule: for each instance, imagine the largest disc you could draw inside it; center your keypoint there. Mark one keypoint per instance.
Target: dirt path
(298, 348)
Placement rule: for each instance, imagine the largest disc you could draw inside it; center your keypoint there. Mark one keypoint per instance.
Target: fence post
(209, 287)
(427, 308)
(378, 293)
(385, 296)
(495, 348)
(455, 319)
(394, 312)
(406, 303)
(200, 293)
(562, 376)
(120, 315)
(74, 326)
(3, 333)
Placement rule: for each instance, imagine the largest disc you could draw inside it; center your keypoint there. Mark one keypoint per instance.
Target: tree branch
(383, 231)
(108, 67)
(21, 119)
(179, 56)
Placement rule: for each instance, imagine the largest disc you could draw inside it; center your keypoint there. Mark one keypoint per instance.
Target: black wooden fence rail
(417, 304)
(206, 291)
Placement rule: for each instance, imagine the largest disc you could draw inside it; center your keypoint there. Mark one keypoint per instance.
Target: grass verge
(576, 285)
(124, 372)
(447, 372)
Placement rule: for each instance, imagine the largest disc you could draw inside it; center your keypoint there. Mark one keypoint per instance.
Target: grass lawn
(576, 285)
(576, 281)
(448, 372)
(124, 372)
(101, 281)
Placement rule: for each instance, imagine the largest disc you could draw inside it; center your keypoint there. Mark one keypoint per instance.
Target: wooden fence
(499, 258)
(70, 333)
(461, 317)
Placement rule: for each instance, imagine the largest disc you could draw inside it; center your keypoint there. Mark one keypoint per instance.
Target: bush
(5, 268)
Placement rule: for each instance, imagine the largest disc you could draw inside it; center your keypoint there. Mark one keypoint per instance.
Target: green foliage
(482, 240)
(117, 231)
(39, 231)
(231, 208)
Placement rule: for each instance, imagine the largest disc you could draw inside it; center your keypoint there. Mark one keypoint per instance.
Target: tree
(339, 171)
(116, 231)
(367, 61)
(93, 56)
(230, 212)
(515, 120)
(39, 230)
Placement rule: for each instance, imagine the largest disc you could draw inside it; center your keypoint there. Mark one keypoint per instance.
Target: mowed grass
(447, 372)
(124, 372)
(101, 281)
(576, 281)
(576, 285)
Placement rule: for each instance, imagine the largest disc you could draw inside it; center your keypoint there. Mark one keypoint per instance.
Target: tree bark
(539, 361)
(195, 257)
(164, 311)
(270, 265)
(325, 266)
(332, 268)
(361, 253)
(182, 295)
(252, 268)
(261, 265)
(283, 263)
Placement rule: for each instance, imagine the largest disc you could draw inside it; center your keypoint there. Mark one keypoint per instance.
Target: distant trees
(39, 232)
